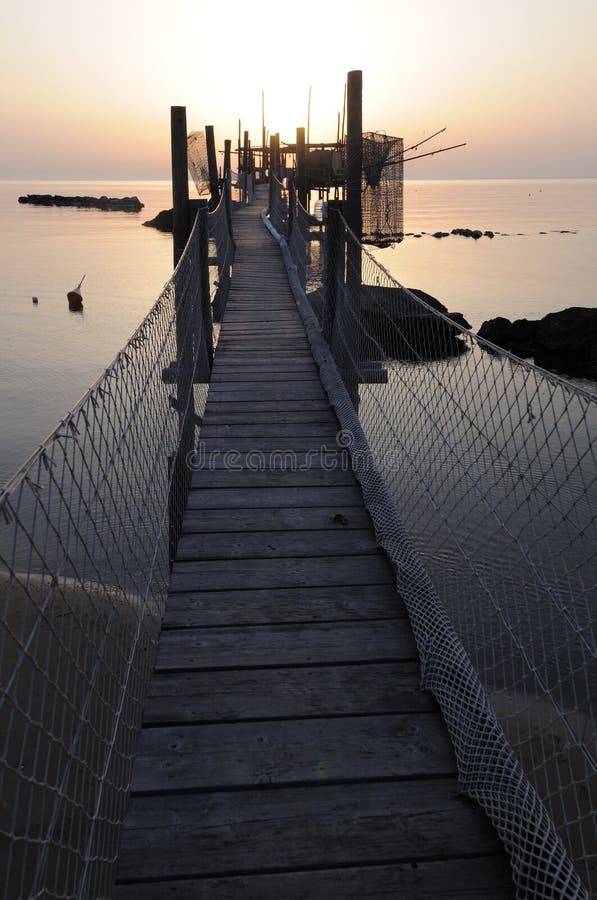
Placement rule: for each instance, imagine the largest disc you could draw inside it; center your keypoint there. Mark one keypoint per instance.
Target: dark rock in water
(163, 221)
(406, 330)
(436, 304)
(564, 342)
(441, 234)
(459, 319)
(116, 204)
(472, 233)
(397, 326)
(498, 331)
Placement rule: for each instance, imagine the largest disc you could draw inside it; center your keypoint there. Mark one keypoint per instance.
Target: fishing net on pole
(382, 189)
(197, 156)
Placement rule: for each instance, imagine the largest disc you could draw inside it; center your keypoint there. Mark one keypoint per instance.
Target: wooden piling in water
(212, 165)
(181, 220)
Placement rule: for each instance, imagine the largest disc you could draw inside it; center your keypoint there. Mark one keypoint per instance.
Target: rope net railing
(480, 473)
(88, 527)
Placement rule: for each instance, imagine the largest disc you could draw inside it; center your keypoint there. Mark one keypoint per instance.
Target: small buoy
(34, 299)
(75, 297)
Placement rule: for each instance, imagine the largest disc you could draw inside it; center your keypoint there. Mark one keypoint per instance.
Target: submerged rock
(564, 342)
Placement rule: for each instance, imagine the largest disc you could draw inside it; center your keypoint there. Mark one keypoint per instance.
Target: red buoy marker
(75, 297)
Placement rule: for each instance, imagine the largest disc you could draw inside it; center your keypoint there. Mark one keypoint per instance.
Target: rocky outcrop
(564, 342)
(118, 204)
(404, 329)
(163, 221)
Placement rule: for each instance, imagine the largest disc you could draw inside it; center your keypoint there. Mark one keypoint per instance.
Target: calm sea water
(50, 355)
(520, 273)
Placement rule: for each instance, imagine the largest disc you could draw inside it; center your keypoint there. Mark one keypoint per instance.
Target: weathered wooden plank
(254, 363)
(254, 359)
(222, 416)
(216, 521)
(252, 317)
(264, 334)
(487, 877)
(232, 381)
(248, 694)
(262, 606)
(295, 751)
(273, 450)
(324, 431)
(281, 409)
(388, 640)
(273, 544)
(243, 831)
(232, 574)
(268, 497)
(248, 478)
(282, 391)
(328, 465)
(275, 328)
(245, 341)
(254, 366)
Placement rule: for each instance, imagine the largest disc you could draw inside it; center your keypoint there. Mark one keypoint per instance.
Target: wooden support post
(333, 265)
(239, 166)
(205, 298)
(354, 152)
(181, 228)
(212, 165)
(181, 224)
(276, 160)
(354, 220)
(263, 147)
(301, 158)
(272, 153)
(291, 208)
(227, 185)
(246, 166)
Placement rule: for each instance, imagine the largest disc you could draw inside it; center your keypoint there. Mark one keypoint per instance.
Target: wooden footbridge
(210, 688)
(287, 750)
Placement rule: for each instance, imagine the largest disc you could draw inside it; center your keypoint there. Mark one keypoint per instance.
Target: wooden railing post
(272, 151)
(334, 251)
(227, 185)
(246, 167)
(291, 208)
(354, 152)
(301, 158)
(181, 224)
(212, 165)
(354, 219)
(181, 229)
(276, 159)
(204, 292)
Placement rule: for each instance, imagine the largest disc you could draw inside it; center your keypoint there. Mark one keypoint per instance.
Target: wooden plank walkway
(287, 751)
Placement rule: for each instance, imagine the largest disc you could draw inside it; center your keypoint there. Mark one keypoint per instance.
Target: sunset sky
(86, 88)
